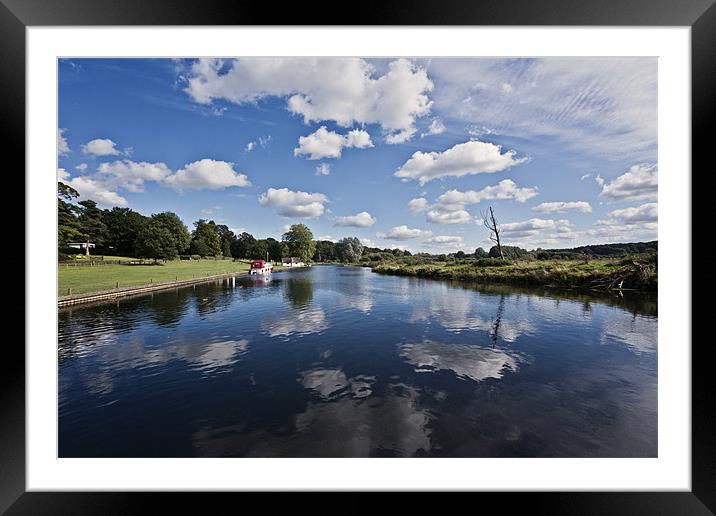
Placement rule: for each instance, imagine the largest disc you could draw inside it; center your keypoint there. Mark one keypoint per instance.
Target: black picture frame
(700, 15)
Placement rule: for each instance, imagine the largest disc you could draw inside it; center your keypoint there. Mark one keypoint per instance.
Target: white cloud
(449, 207)
(102, 185)
(435, 127)
(638, 214)
(551, 207)
(323, 169)
(130, 175)
(504, 190)
(367, 242)
(207, 174)
(360, 220)
(329, 144)
(101, 147)
(533, 227)
(91, 188)
(445, 241)
(439, 214)
(473, 157)
(639, 182)
(345, 90)
(585, 176)
(263, 141)
(81, 167)
(404, 233)
(288, 203)
(476, 131)
(63, 148)
(327, 237)
(418, 205)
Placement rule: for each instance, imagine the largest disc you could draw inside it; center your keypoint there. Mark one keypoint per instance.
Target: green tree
(299, 240)
(205, 240)
(123, 227)
(481, 253)
(179, 237)
(91, 225)
(68, 227)
(275, 249)
(325, 251)
(156, 240)
(243, 246)
(260, 250)
(226, 237)
(349, 249)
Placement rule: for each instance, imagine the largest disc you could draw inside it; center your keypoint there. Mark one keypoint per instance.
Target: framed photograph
(419, 252)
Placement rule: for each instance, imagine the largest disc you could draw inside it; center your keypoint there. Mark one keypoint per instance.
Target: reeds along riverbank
(603, 275)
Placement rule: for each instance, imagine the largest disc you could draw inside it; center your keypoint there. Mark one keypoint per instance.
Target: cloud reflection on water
(465, 361)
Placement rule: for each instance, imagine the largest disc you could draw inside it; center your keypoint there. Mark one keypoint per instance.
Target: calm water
(341, 362)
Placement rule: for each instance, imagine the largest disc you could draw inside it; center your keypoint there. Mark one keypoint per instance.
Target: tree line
(125, 232)
(163, 236)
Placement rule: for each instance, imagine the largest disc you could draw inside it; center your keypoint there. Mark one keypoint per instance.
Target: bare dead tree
(490, 222)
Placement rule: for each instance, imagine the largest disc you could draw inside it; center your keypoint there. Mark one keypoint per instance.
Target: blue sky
(398, 152)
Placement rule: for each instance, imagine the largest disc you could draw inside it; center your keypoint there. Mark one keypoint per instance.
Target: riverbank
(633, 273)
(84, 280)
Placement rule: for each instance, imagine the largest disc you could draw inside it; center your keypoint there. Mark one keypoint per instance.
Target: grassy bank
(105, 277)
(637, 272)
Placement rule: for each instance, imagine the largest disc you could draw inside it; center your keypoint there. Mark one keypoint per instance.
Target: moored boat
(260, 267)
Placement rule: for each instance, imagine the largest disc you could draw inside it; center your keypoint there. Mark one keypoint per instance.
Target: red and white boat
(261, 267)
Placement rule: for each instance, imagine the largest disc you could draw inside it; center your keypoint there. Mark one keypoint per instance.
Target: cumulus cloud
(344, 90)
(533, 227)
(445, 241)
(207, 174)
(102, 186)
(440, 214)
(504, 190)
(92, 188)
(418, 205)
(323, 169)
(473, 157)
(638, 214)
(639, 182)
(329, 144)
(435, 127)
(131, 176)
(81, 167)
(367, 242)
(101, 147)
(288, 203)
(63, 148)
(449, 207)
(405, 233)
(552, 207)
(359, 220)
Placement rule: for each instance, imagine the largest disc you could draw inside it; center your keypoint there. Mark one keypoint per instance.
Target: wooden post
(117, 286)
(69, 291)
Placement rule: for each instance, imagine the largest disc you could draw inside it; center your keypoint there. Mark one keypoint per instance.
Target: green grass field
(105, 277)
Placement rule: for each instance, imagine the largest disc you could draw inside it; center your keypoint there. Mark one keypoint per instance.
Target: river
(336, 361)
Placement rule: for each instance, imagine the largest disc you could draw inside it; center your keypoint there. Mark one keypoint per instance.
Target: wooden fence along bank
(90, 297)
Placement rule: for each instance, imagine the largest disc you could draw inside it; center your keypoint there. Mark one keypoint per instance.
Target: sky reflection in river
(338, 361)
